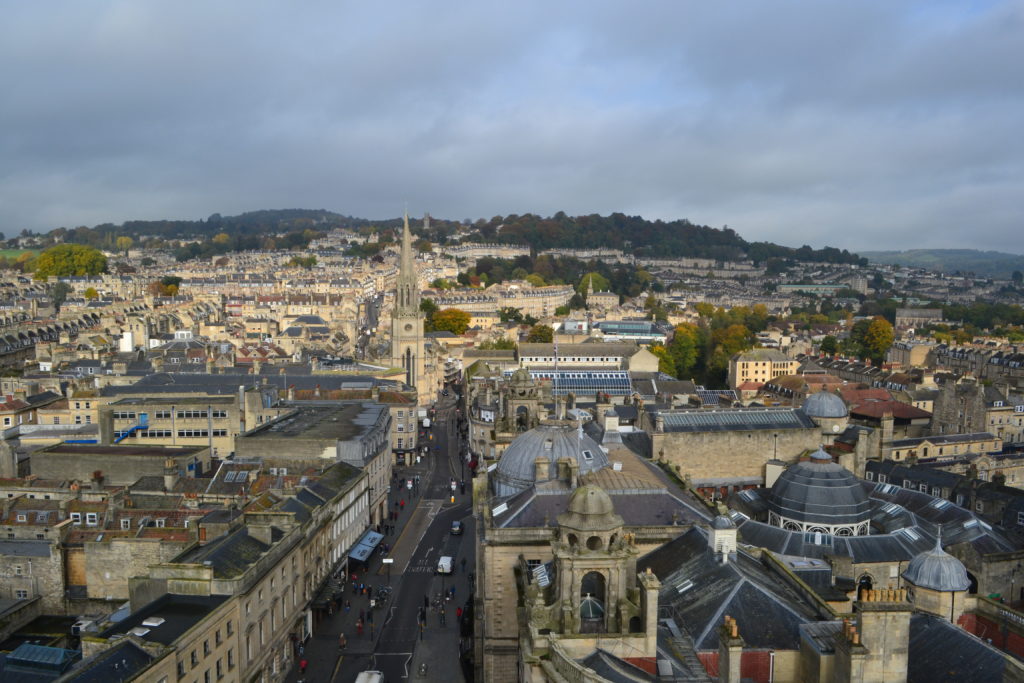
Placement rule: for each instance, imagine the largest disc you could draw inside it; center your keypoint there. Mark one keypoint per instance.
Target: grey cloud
(853, 124)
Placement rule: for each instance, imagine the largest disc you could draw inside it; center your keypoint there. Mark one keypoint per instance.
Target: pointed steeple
(408, 286)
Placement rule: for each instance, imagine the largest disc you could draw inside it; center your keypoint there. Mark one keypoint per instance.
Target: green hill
(982, 263)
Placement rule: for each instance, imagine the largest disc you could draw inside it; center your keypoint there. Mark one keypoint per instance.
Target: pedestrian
(362, 614)
(426, 602)
(401, 504)
(441, 616)
(355, 588)
(302, 667)
(463, 565)
(458, 612)
(359, 627)
(342, 641)
(302, 650)
(348, 606)
(453, 592)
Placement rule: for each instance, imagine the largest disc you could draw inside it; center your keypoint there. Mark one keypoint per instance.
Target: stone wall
(717, 457)
(118, 469)
(109, 564)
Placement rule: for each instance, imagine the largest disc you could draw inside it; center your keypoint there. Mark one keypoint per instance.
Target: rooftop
(179, 613)
(338, 422)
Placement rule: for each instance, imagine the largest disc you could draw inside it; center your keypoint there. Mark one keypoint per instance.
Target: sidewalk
(321, 649)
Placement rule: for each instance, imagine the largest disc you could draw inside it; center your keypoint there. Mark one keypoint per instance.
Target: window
(88, 419)
(195, 659)
(219, 432)
(1020, 519)
(192, 414)
(230, 628)
(216, 638)
(231, 658)
(192, 433)
(181, 669)
(126, 524)
(123, 415)
(978, 506)
(76, 517)
(78, 419)
(162, 415)
(220, 670)
(882, 478)
(91, 518)
(870, 476)
(206, 676)
(206, 648)
(56, 419)
(218, 413)
(22, 517)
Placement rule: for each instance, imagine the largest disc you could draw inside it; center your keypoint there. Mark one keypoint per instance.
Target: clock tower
(407, 319)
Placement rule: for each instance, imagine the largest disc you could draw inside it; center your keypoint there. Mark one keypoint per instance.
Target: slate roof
(940, 651)
(611, 668)
(116, 663)
(697, 591)
(229, 555)
(734, 420)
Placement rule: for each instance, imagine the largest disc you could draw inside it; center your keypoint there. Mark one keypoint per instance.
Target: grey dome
(819, 491)
(824, 404)
(722, 522)
(552, 441)
(938, 570)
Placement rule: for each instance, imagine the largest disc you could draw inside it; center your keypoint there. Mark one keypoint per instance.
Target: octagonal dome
(819, 492)
(824, 404)
(550, 441)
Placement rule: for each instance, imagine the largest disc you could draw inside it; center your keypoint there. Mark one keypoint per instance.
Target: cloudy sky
(859, 124)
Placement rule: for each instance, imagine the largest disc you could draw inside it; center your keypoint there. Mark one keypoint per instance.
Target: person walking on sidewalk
(342, 641)
(302, 666)
(463, 565)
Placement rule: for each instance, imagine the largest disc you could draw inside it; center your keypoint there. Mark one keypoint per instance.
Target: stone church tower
(407, 348)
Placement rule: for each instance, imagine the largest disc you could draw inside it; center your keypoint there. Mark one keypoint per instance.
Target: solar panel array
(583, 382)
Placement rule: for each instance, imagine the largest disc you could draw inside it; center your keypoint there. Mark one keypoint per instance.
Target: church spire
(408, 286)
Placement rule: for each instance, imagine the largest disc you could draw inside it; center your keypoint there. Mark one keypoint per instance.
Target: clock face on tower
(408, 327)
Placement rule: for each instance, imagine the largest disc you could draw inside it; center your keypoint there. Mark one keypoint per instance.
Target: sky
(865, 125)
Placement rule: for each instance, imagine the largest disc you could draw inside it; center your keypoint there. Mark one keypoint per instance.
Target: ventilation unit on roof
(684, 586)
(153, 622)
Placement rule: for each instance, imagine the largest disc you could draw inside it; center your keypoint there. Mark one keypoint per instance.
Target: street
(401, 651)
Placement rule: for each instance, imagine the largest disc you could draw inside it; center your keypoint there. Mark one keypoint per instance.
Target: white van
(370, 677)
(444, 565)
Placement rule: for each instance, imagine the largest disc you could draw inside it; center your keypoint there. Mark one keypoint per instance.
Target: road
(396, 652)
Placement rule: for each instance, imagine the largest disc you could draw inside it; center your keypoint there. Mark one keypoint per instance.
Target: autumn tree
(91, 293)
(686, 348)
(124, 243)
(540, 334)
(70, 259)
(452, 320)
(878, 338)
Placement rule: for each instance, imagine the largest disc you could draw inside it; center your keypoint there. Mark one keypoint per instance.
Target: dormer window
(91, 518)
(76, 517)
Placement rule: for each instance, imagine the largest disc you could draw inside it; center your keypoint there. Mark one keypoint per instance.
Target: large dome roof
(819, 491)
(938, 570)
(517, 468)
(824, 404)
(590, 508)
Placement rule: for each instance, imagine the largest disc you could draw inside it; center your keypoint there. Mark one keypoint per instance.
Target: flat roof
(341, 422)
(97, 449)
(175, 400)
(179, 612)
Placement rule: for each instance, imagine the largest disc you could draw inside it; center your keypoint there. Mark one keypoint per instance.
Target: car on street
(445, 565)
(456, 529)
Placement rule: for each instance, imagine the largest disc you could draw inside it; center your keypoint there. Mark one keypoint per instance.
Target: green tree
(600, 283)
(562, 310)
(685, 348)
(666, 363)
(428, 308)
(510, 314)
(829, 345)
(535, 280)
(306, 262)
(541, 334)
(59, 293)
(70, 259)
(124, 243)
(452, 320)
(147, 261)
(503, 344)
(91, 293)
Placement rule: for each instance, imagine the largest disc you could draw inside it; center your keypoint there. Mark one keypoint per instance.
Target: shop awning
(365, 545)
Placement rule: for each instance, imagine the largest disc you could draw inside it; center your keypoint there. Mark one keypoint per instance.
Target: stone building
(760, 365)
(526, 524)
